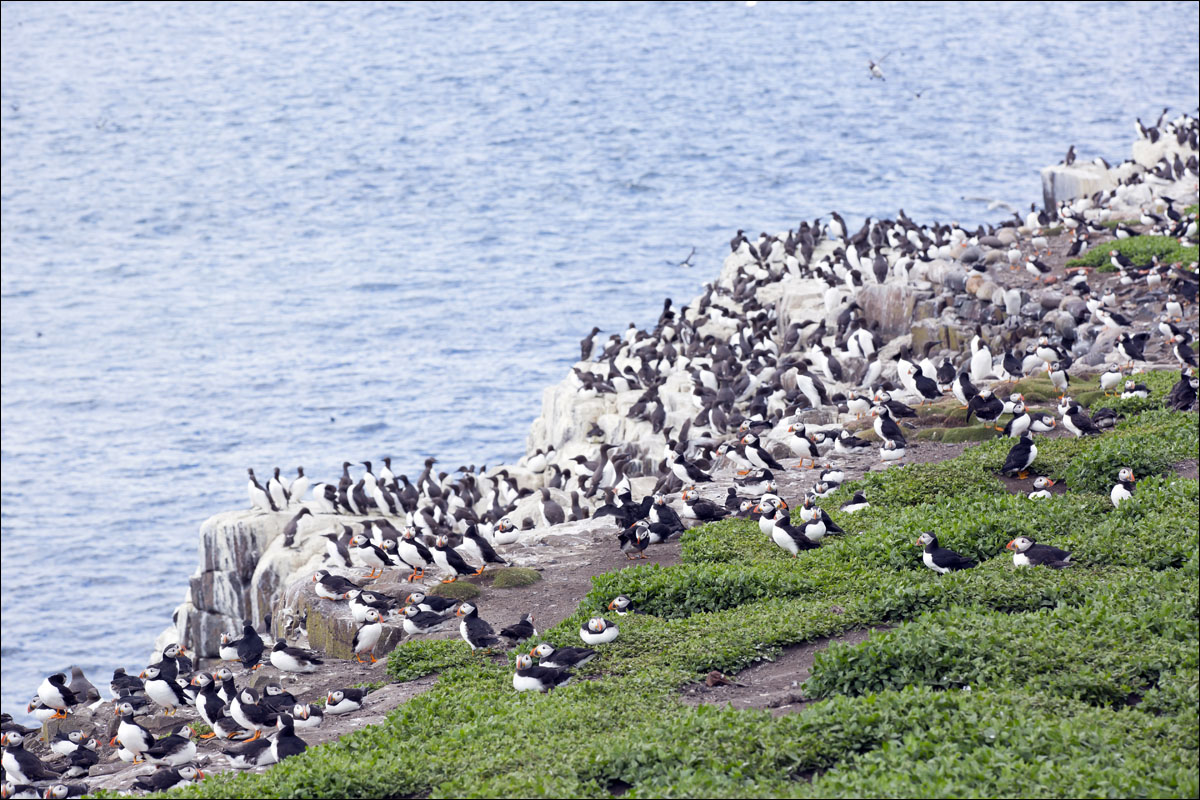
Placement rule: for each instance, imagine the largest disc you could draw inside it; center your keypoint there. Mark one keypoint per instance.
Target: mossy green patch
(458, 590)
(515, 577)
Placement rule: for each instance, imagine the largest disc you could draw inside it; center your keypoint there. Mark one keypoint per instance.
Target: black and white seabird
(256, 752)
(247, 712)
(520, 631)
(418, 622)
(941, 559)
(1122, 490)
(537, 678)
(1077, 421)
(258, 495)
(55, 693)
(293, 659)
(622, 605)
(20, 765)
(132, 736)
(173, 750)
(856, 503)
(986, 406)
(367, 636)
(451, 563)
(598, 630)
(431, 602)
(474, 631)
(161, 686)
(332, 587)
(1020, 457)
(703, 510)
(1027, 553)
(344, 701)
(163, 779)
(307, 716)
(687, 472)
(562, 657)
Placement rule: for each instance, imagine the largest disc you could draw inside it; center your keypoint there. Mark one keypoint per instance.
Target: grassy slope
(999, 682)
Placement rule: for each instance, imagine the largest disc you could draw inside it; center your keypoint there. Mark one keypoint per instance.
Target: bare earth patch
(773, 685)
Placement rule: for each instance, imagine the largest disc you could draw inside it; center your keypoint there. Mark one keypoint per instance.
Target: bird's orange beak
(1009, 546)
(610, 605)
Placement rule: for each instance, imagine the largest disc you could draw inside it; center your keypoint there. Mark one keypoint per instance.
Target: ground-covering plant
(996, 681)
(1139, 250)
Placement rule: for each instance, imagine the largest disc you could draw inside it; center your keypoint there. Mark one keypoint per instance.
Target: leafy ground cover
(1139, 250)
(997, 682)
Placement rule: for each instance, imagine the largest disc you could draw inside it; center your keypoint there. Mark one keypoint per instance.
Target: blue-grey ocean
(266, 235)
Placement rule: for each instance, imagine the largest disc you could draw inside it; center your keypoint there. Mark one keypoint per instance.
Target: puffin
(891, 450)
(926, 387)
(758, 455)
(537, 678)
(163, 779)
(367, 636)
(20, 765)
(286, 743)
(173, 750)
(123, 683)
(703, 510)
(344, 701)
(847, 443)
(785, 535)
(1060, 378)
(1019, 423)
(371, 555)
(885, 426)
(330, 587)
(520, 631)
(55, 694)
(256, 752)
(418, 622)
(475, 631)
(963, 389)
(293, 659)
(480, 549)
(1028, 553)
(247, 712)
(598, 630)
(133, 737)
(986, 406)
(562, 657)
(688, 472)
(209, 704)
(450, 562)
(1131, 347)
(1111, 379)
(1077, 421)
(1135, 389)
(1122, 490)
(306, 716)
(1041, 488)
(61, 791)
(414, 553)
(249, 647)
(856, 503)
(802, 446)
(81, 761)
(162, 688)
(430, 602)
(941, 559)
(64, 743)
(1020, 457)
(622, 605)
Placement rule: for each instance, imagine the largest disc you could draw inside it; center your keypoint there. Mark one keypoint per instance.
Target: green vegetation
(459, 590)
(515, 577)
(996, 681)
(1139, 250)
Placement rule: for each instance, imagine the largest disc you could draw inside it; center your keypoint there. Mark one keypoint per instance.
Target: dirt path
(773, 685)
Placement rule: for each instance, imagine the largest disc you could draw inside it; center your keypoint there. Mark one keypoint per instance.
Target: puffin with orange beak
(475, 631)
(941, 559)
(1028, 553)
(133, 737)
(1122, 490)
(55, 694)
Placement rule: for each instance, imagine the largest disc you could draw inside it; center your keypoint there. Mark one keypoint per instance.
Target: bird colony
(776, 370)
